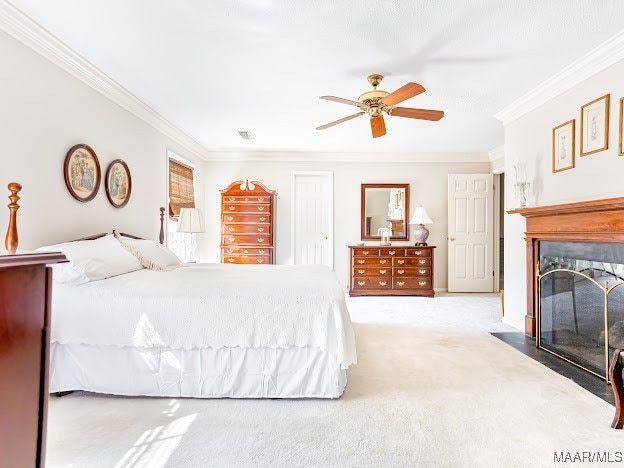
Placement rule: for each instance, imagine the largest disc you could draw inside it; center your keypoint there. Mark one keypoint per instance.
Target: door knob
(451, 239)
(325, 237)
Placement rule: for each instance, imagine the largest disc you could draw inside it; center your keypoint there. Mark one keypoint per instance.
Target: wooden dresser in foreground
(247, 223)
(391, 271)
(25, 288)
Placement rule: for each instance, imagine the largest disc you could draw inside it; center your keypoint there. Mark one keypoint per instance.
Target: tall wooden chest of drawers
(247, 223)
(391, 271)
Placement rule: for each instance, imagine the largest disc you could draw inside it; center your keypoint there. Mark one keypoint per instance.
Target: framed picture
(621, 148)
(595, 126)
(82, 172)
(118, 183)
(563, 147)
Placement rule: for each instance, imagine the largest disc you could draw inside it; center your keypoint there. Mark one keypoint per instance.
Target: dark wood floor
(588, 381)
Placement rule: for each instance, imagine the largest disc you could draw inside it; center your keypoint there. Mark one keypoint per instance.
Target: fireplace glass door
(581, 302)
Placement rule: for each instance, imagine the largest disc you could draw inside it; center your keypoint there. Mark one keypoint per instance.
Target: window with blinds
(181, 190)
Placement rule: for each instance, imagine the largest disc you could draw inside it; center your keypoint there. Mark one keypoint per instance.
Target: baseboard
(440, 290)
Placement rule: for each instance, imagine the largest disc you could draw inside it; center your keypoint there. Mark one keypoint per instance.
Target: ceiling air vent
(246, 134)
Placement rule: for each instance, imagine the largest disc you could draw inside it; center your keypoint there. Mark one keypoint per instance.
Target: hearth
(580, 315)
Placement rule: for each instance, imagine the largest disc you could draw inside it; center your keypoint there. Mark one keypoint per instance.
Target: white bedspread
(209, 305)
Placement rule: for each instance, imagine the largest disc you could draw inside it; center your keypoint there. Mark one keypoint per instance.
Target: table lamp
(420, 218)
(192, 221)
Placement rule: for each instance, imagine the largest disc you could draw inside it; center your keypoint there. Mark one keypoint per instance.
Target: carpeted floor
(432, 388)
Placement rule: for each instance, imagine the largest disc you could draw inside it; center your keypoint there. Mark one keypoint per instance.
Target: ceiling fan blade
(336, 122)
(378, 126)
(423, 114)
(343, 101)
(403, 93)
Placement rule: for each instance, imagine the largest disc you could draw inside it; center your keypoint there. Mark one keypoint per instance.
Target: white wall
(528, 142)
(428, 187)
(44, 111)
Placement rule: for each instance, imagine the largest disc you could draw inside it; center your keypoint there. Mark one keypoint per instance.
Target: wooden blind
(181, 191)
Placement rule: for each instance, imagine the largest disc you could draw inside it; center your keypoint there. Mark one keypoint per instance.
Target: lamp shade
(191, 220)
(420, 216)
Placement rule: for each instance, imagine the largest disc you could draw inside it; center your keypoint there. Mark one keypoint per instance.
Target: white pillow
(152, 255)
(92, 260)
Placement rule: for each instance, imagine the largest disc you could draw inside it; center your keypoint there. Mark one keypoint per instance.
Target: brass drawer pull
(229, 251)
(260, 199)
(261, 208)
(392, 252)
(246, 198)
(260, 239)
(260, 260)
(400, 262)
(364, 252)
(361, 283)
(383, 283)
(246, 251)
(422, 283)
(231, 208)
(262, 218)
(422, 262)
(261, 252)
(400, 283)
(231, 229)
(418, 252)
(232, 199)
(229, 218)
(260, 229)
(231, 239)
(361, 272)
(361, 261)
(400, 272)
(382, 272)
(383, 262)
(231, 260)
(422, 272)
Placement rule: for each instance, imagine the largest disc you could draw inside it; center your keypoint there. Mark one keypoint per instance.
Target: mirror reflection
(385, 206)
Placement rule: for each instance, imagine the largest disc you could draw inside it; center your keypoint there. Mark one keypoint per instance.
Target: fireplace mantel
(594, 221)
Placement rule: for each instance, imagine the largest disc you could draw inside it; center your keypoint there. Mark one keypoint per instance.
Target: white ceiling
(215, 67)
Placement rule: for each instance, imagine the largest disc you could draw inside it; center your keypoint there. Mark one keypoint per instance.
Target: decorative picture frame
(595, 125)
(563, 139)
(621, 146)
(81, 171)
(118, 183)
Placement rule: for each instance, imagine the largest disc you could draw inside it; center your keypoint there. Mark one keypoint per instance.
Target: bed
(204, 330)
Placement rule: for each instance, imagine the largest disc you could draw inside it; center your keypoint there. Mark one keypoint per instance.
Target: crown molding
(349, 157)
(18, 25)
(606, 54)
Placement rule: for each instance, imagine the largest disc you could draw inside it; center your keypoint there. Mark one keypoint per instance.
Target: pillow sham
(92, 260)
(152, 255)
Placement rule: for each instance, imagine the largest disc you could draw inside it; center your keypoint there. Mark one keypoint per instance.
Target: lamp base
(421, 244)
(420, 235)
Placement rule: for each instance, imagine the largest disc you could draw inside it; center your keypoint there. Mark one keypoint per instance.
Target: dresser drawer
(246, 218)
(366, 252)
(375, 282)
(357, 271)
(247, 239)
(411, 261)
(372, 261)
(411, 283)
(392, 252)
(246, 228)
(246, 208)
(245, 251)
(407, 272)
(418, 252)
(246, 199)
(247, 259)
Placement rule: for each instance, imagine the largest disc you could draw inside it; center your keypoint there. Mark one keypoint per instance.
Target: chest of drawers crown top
(391, 270)
(247, 223)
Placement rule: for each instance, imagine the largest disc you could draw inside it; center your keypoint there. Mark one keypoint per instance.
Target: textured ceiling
(216, 67)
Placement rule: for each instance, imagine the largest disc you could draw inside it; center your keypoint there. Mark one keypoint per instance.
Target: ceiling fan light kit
(376, 101)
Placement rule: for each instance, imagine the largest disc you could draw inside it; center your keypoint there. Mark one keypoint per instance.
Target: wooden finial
(161, 236)
(11, 240)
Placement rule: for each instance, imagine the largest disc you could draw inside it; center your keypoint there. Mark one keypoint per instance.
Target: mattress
(296, 372)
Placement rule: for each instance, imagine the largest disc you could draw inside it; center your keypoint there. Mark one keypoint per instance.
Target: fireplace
(575, 269)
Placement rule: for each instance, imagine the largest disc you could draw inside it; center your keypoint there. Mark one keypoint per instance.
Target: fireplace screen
(581, 302)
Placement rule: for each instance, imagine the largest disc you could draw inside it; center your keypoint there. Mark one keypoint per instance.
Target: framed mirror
(385, 206)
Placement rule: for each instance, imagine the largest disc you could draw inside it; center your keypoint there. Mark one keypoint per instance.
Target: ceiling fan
(376, 101)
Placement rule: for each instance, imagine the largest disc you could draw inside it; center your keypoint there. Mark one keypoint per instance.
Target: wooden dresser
(391, 271)
(247, 223)
(25, 288)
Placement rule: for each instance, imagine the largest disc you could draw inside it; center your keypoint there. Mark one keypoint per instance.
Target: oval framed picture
(118, 183)
(82, 172)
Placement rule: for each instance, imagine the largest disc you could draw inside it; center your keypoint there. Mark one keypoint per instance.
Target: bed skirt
(298, 372)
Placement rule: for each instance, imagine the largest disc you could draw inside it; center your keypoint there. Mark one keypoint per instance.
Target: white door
(470, 233)
(313, 218)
